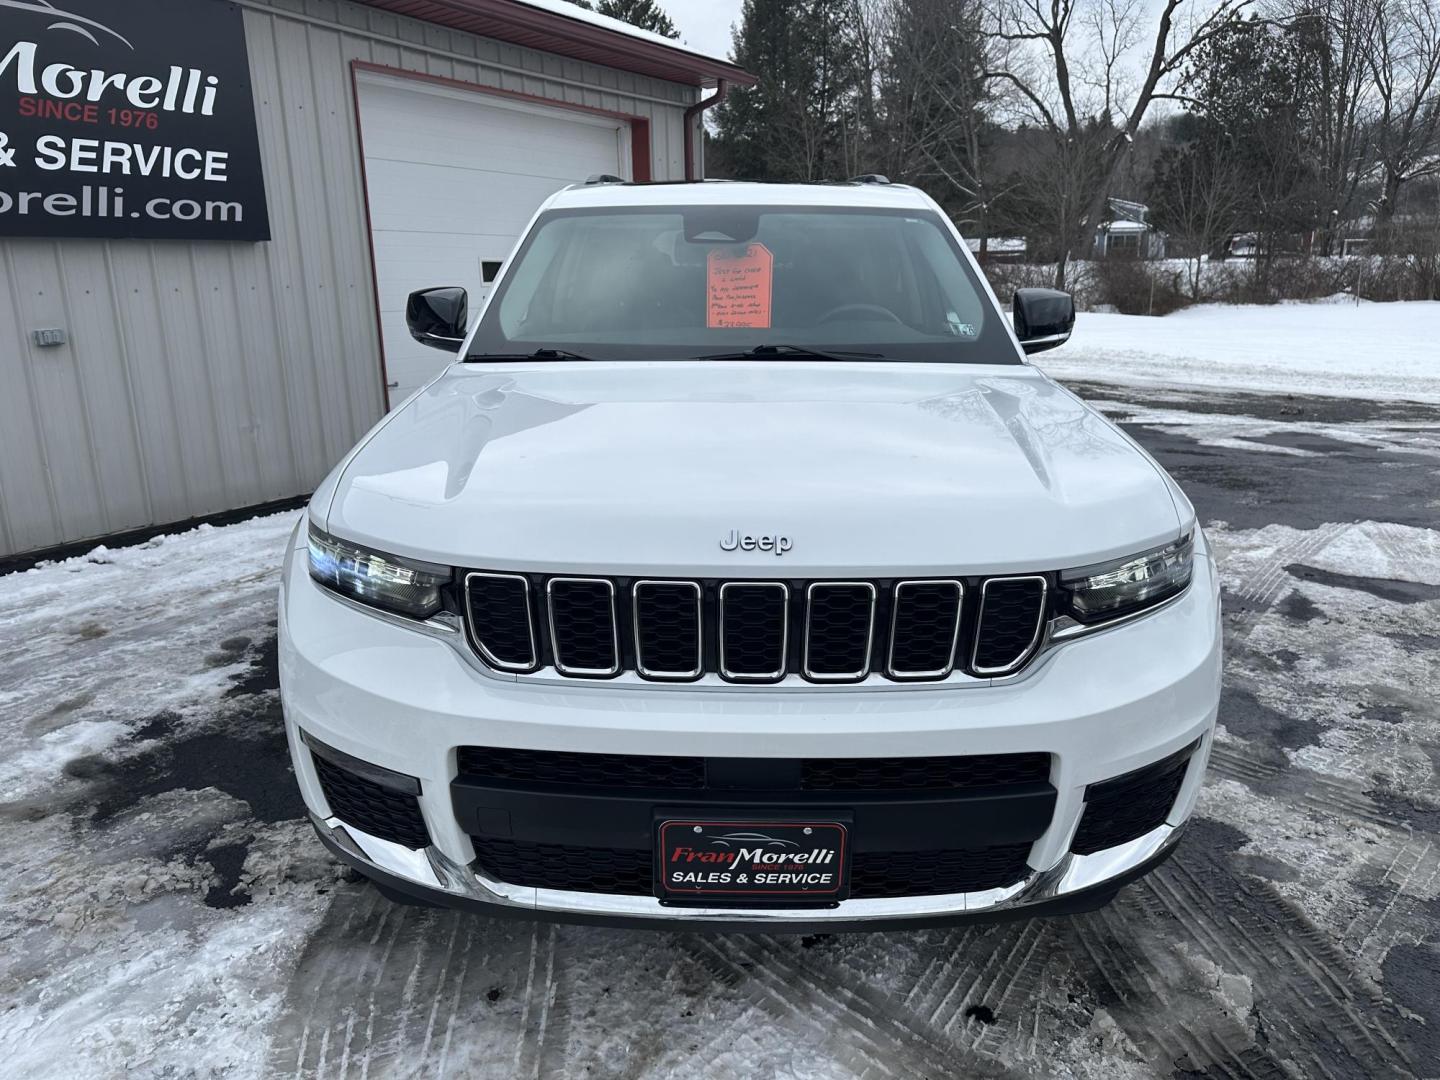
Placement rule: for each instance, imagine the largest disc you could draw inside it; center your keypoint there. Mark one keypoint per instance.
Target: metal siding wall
(202, 377)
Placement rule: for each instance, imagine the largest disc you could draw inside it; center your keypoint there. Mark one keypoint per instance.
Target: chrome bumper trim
(432, 869)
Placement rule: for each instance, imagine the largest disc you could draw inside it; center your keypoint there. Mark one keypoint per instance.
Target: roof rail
(604, 178)
(870, 178)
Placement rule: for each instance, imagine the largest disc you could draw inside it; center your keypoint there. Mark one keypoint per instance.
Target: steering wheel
(856, 309)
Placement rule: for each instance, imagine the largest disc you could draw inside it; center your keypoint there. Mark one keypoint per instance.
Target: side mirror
(436, 317)
(1043, 318)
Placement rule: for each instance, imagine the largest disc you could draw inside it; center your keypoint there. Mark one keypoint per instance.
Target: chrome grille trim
(560, 664)
(1040, 622)
(937, 673)
(661, 673)
(848, 676)
(489, 657)
(726, 672)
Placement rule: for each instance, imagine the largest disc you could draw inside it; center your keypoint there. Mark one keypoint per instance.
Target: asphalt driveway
(166, 912)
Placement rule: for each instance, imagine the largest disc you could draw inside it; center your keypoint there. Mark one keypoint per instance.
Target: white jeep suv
(741, 571)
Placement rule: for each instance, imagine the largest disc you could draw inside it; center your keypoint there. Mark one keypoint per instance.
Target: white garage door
(453, 177)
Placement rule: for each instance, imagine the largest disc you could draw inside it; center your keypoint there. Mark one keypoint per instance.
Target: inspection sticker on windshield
(738, 287)
(782, 860)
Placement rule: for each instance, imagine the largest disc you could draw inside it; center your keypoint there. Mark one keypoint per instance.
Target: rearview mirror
(436, 317)
(1044, 318)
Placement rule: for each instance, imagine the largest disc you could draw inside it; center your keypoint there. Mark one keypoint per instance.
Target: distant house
(1243, 246)
(1126, 232)
(1000, 249)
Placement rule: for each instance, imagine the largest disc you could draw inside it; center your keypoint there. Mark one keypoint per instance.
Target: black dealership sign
(128, 119)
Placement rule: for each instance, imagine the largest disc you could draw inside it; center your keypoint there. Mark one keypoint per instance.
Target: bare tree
(1405, 64)
(1086, 72)
(1198, 198)
(933, 96)
(1338, 38)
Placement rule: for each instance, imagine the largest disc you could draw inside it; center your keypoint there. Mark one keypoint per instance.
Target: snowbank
(1344, 349)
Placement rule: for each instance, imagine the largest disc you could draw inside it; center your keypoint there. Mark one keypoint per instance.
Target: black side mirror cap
(1044, 318)
(437, 317)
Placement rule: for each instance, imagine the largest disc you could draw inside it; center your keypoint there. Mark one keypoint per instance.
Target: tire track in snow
(1409, 879)
(1112, 940)
(865, 1029)
(1304, 984)
(1316, 791)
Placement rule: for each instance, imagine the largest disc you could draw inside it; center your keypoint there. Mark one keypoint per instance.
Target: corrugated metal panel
(203, 377)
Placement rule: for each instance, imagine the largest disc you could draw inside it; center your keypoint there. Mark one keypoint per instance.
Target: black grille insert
(924, 773)
(1126, 807)
(1012, 611)
(750, 631)
(667, 629)
(379, 811)
(931, 873)
(500, 620)
(839, 630)
(630, 871)
(582, 626)
(572, 769)
(754, 630)
(924, 628)
(659, 773)
(613, 871)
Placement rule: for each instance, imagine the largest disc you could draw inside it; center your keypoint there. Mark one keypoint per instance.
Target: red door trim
(370, 241)
(641, 152)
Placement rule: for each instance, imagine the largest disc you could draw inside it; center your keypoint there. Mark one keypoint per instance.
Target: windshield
(716, 281)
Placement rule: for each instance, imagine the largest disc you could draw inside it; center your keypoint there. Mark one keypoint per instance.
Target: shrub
(1133, 287)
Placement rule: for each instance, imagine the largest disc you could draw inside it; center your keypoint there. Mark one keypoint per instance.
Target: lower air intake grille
(924, 773)
(581, 770)
(614, 871)
(1119, 810)
(930, 873)
(1012, 611)
(379, 811)
(630, 871)
(689, 774)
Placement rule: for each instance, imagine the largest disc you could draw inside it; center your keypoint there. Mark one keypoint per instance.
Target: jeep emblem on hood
(777, 544)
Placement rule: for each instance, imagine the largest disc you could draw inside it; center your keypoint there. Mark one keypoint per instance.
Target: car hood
(869, 469)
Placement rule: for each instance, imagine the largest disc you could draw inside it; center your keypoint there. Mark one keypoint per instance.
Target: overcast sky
(704, 25)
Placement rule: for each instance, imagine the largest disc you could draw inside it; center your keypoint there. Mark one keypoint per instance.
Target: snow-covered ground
(165, 912)
(1337, 348)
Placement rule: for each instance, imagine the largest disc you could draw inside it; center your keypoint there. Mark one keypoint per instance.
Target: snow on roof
(741, 193)
(620, 26)
(1126, 210)
(561, 27)
(1123, 226)
(998, 243)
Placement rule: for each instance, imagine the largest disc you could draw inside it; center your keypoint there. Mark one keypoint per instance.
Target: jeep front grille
(755, 631)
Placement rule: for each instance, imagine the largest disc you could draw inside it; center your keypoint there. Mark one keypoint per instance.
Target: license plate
(775, 861)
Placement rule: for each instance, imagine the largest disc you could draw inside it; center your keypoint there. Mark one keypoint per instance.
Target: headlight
(1109, 590)
(403, 586)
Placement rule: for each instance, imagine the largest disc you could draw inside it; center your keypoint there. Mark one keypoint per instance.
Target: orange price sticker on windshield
(738, 287)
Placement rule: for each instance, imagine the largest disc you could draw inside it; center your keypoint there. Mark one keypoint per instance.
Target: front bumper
(1077, 883)
(1100, 706)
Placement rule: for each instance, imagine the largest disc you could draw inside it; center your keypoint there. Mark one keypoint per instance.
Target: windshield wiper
(761, 352)
(538, 354)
